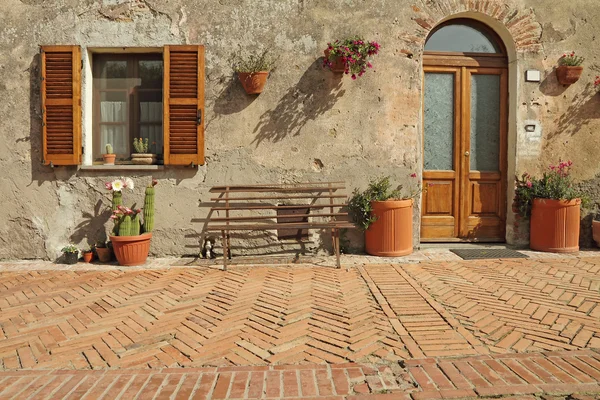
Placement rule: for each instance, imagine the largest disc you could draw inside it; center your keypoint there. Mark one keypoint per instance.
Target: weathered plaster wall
(308, 125)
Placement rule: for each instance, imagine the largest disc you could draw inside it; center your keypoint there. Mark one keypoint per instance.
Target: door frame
(462, 66)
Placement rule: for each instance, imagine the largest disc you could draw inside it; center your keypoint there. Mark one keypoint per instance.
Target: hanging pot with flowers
(570, 69)
(552, 204)
(253, 69)
(131, 235)
(350, 56)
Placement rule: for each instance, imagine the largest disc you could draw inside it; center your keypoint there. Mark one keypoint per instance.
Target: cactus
(125, 226)
(149, 210)
(117, 200)
(134, 230)
(109, 148)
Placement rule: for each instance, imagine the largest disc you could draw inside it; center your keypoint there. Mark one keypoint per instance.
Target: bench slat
(287, 216)
(325, 196)
(252, 227)
(239, 207)
(278, 190)
(277, 185)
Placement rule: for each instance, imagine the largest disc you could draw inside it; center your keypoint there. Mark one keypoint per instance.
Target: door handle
(467, 154)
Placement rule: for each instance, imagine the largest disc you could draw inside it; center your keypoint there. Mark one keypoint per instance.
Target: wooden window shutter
(183, 107)
(61, 105)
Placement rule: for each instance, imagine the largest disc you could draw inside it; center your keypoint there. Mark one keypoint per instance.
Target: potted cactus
(131, 235)
(109, 157)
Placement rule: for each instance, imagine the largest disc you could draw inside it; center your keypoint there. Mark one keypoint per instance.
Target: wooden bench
(298, 206)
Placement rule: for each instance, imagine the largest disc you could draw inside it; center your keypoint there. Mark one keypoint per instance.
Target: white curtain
(152, 112)
(114, 111)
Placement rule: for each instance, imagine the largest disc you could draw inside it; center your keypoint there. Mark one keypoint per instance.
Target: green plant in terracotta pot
(386, 216)
(131, 234)
(253, 69)
(552, 203)
(103, 251)
(569, 69)
(70, 254)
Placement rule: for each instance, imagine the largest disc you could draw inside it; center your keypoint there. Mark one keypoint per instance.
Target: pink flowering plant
(556, 184)
(128, 221)
(355, 54)
(571, 60)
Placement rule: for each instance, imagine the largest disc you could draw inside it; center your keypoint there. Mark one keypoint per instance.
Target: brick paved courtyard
(451, 328)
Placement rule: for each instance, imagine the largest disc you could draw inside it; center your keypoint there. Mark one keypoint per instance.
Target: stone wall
(308, 125)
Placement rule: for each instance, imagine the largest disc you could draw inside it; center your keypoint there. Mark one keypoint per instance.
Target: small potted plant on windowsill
(386, 217)
(253, 70)
(553, 205)
(570, 69)
(350, 56)
(140, 155)
(70, 254)
(109, 157)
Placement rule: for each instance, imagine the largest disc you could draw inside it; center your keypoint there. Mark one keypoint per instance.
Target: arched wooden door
(465, 95)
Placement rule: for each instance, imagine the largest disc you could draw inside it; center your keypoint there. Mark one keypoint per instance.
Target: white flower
(129, 183)
(117, 185)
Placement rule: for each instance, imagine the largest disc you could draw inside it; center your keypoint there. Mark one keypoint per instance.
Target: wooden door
(464, 153)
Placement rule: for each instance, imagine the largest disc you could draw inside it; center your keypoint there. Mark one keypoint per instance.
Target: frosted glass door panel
(485, 122)
(439, 122)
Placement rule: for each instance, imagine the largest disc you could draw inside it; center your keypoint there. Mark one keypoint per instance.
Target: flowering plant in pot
(253, 69)
(140, 155)
(131, 234)
(570, 69)
(552, 203)
(350, 56)
(385, 215)
(70, 254)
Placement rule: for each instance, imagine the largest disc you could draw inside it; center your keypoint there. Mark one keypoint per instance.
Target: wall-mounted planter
(337, 65)
(567, 75)
(253, 82)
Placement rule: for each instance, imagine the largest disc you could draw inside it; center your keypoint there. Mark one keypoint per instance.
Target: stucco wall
(308, 125)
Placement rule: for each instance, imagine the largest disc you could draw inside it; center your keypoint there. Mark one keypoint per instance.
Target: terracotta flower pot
(567, 75)
(596, 232)
(109, 159)
(104, 254)
(555, 225)
(391, 235)
(337, 65)
(143, 158)
(254, 82)
(88, 256)
(131, 250)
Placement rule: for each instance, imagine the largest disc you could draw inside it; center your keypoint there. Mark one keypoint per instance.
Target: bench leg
(225, 251)
(336, 247)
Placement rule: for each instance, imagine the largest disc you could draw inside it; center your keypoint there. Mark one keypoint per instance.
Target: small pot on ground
(131, 250)
(104, 254)
(555, 225)
(391, 234)
(253, 82)
(88, 256)
(596, 232)
(143, 158)
(567, 75)
(70, 258)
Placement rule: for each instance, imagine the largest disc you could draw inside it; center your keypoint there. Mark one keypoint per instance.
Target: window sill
(122, 167)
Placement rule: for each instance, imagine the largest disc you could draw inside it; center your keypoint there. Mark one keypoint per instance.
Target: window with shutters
(127, 102)
(156, 94)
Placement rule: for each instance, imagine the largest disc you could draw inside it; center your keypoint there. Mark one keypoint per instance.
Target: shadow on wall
(232, 99)
(92, 226)
(40, 173)
(315, 93)
(584, 108)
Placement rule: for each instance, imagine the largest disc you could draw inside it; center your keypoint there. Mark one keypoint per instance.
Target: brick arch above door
(521, 23)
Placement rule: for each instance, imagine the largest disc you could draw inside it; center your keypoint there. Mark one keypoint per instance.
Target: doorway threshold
(464, 245)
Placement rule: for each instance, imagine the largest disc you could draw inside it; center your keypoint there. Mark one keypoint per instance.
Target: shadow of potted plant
(385, 216)
(253, 69)
(131, 235)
